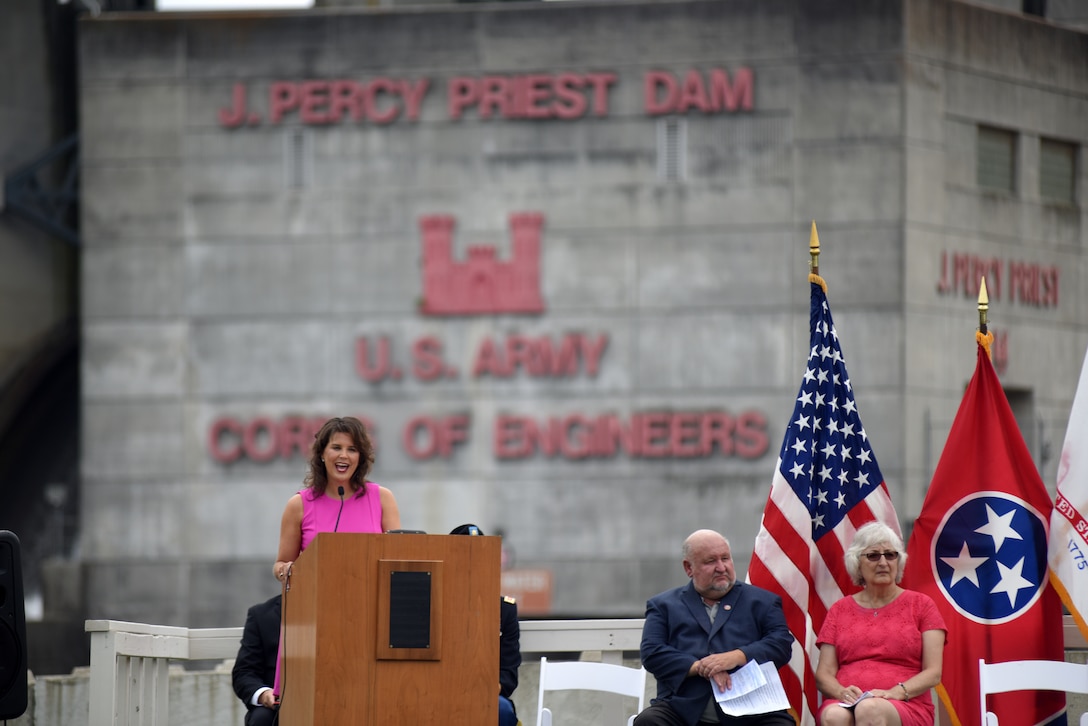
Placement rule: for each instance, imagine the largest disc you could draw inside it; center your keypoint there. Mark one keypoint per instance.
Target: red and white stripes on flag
(827, 484)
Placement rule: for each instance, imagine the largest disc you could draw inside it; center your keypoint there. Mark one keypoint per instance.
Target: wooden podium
(388, 629)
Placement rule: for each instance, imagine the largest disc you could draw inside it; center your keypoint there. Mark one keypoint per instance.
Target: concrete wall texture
(236, 264)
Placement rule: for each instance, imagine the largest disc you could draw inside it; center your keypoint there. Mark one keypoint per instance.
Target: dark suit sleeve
(774, 637)
(509, 648)
(669, 664)
(249, 667)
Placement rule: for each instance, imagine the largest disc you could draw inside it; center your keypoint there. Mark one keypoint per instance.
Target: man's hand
(716, 667)
(267, 699)
(722, 680)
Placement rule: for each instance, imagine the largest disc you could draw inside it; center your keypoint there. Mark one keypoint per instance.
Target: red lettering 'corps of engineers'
(573, 436)
(687, 434)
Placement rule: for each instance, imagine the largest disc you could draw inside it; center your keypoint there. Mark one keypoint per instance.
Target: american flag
(826, 485)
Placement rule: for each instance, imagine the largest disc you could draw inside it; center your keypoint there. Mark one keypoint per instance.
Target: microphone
(340, 491)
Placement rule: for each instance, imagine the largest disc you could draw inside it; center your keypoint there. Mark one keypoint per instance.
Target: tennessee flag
(826, 485)
(1068, 523)
(979, 549)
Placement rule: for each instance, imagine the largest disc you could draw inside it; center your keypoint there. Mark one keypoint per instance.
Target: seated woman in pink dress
(337, 496)
(881, 648)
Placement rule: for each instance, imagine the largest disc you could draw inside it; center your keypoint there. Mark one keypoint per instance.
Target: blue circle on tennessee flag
(989, 556)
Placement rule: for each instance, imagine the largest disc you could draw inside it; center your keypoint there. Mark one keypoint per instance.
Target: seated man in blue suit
(255, 667)
(700, 632)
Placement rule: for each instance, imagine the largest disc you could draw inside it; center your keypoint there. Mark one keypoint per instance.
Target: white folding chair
(1029, 675)
(582, 676)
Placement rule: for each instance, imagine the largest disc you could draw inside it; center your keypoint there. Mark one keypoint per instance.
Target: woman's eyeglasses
(875, 556)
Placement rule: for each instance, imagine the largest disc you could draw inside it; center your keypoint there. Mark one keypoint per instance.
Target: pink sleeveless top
(360, 514)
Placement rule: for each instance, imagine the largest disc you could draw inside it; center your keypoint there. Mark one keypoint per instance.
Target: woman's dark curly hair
(317, 479)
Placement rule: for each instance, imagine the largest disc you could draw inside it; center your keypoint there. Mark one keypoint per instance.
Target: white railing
(130, 661)
(129, 684)
(130, 667)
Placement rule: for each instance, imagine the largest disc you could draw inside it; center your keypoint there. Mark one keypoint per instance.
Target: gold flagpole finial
(814, 250)
(983, 307)
(983, 337)
(814, 259)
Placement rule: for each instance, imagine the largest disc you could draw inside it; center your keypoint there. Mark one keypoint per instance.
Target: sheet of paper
(769, 697)
(862, 697)
(746, 679)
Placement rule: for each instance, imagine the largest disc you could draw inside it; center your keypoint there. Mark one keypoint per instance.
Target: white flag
(1068, 550)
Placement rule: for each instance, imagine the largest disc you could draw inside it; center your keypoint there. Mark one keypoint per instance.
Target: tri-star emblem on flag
(989, 554)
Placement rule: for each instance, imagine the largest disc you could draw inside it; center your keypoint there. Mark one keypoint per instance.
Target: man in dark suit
(509, 647)
(700, 632)
(255, 667)
(509, 660)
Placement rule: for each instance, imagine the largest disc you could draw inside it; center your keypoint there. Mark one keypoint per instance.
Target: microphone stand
(340, 491)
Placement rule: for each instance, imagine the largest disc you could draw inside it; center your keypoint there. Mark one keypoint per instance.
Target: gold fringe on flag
(985, 340)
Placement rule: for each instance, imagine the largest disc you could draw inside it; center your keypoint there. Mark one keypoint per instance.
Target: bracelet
(906, 693)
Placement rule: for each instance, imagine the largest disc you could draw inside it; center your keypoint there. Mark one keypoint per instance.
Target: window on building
(996, 159)
(672, 149)
(1057, 170)
(1034, 7)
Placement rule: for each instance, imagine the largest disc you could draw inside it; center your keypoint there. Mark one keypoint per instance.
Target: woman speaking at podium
(337, 498)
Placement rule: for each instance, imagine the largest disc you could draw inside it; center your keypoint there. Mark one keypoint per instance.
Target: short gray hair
(868, 535)
(689, 544)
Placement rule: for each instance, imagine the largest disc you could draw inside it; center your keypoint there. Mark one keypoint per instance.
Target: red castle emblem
(481, 284)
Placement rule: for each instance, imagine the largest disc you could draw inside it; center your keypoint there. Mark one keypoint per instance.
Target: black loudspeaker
(12, 630)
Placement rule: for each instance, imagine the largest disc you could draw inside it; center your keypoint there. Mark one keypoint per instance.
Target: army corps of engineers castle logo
(481, 285)
(989, 555)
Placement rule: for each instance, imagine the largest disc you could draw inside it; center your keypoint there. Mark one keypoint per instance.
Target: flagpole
(809, 518)
(814, 258)
(984, 337)
(956, 538)
(814, 250)
(983, 307)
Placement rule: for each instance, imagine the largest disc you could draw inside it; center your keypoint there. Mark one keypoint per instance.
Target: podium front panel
(337, 619)
(410, 613)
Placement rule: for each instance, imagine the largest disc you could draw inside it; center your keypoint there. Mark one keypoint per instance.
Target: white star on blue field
(989, 554)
